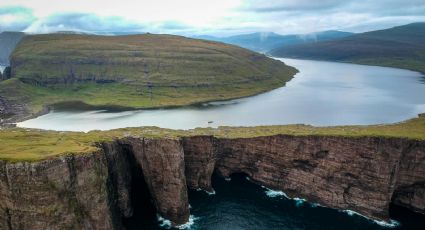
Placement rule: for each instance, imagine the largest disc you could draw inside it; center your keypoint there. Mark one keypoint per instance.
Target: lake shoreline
(311, 91)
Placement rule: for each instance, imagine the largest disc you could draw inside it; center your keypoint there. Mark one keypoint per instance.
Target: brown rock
(162, 163)
(200, 157)
(64, 193)
(93, 191)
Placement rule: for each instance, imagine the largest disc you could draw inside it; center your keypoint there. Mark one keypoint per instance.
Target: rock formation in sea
(93, 191)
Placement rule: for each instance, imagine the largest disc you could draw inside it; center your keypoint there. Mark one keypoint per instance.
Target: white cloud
(220, 17)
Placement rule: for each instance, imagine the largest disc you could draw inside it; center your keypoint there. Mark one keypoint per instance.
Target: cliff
(64, 193)
(94, 191)
(132, 71)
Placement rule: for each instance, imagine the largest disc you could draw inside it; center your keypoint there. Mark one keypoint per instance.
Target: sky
(207, 17)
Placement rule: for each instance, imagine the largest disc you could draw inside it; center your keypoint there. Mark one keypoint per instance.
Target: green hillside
(402, 47)
(136, 71)
(35, 145)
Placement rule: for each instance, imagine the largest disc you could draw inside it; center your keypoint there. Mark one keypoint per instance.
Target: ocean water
(240, 204)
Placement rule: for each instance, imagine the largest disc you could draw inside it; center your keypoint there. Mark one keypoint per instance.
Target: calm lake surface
(322, 94)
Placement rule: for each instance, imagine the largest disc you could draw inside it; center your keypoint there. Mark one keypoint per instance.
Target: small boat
(210, 122)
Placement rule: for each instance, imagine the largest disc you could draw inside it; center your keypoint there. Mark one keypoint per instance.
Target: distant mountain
(8, 41)
(401, 46)
(263, 42)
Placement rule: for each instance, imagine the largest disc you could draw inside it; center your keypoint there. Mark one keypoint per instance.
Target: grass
(33, 145)
(137, 71)
(400, 47)
(415, 64)
(119, 94)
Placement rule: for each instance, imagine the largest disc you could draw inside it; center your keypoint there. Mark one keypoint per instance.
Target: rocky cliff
(94, 191)
(64, 193)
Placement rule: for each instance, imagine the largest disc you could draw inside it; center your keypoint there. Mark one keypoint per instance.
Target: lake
(321, 94)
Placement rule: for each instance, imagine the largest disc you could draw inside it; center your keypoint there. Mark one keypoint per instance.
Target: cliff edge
(91, 183)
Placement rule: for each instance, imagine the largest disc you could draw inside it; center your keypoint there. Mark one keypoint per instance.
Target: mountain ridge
(266, 41)
(400, 46)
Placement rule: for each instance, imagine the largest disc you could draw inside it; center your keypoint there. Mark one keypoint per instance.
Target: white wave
(315, 205)
(208, 192)
(227, 179)
(164, 223)
(188, 224)
(274, 193)
(390, 224)
(299, 201)
(248, 179)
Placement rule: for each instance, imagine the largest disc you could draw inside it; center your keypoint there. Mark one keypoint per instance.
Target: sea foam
(207, 192)
(164, 223)
(390, 224)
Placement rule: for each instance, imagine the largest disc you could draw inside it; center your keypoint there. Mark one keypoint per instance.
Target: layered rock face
(94, 191)
(359, 174)
(362, 174)
(64, 193)
(162, 163)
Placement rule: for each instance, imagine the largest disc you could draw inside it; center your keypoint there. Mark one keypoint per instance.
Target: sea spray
(207, 192)
(164, 223)
(390, 224)
(299, 201)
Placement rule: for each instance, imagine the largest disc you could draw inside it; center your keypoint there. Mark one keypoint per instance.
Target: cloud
(289, 5)
(218, 17)
(91, 23)
(15, 18)
(84, 22)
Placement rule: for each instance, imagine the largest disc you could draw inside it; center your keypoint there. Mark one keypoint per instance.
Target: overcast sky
(213, 17)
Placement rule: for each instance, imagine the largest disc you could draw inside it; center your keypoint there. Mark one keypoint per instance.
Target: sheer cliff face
(94, 190)
(64, 193)
(359, 174)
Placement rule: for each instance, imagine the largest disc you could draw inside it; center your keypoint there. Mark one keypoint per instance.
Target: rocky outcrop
(12, 111)
(364, 174)
(162, 164)
(64, 193)
(200, 156)
(94, 191)
(359, 174)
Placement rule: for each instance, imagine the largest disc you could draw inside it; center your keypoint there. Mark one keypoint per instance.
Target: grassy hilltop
(137, 71)
(400, 47)
(32, 145)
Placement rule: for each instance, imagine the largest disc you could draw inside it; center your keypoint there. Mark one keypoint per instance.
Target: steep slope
(8, 41)
(57, 180)
(263, 42)
(134, 71)
(402, 46)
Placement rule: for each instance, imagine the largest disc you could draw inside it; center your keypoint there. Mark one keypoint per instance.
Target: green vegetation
(136, 71)
(401, 47)
(31, 145)
(415, 64)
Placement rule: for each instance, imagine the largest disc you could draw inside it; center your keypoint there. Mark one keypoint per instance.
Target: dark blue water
(241, 204)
